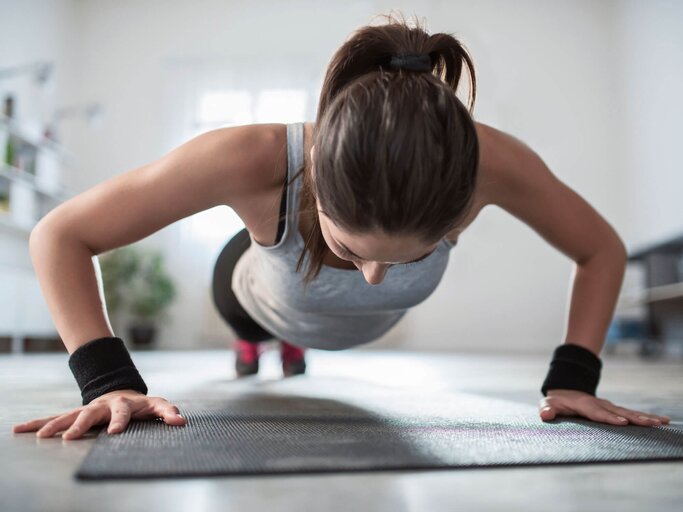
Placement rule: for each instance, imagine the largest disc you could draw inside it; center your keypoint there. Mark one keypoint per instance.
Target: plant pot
(142, 336)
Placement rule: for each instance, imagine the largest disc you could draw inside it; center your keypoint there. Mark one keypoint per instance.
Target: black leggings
(224, 298)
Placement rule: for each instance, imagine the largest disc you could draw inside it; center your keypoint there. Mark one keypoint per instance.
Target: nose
(374, 272)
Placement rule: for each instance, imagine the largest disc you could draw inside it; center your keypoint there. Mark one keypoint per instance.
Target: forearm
(66, 272)
(594, 294)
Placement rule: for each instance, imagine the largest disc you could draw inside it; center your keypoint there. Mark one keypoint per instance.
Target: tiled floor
(37, 474)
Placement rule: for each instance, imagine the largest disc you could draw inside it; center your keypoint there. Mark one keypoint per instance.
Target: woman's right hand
(116, 407)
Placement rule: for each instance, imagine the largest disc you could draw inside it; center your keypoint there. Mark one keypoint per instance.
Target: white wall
(546, 76)
(550, 73)
(650, 78)
(30, 32)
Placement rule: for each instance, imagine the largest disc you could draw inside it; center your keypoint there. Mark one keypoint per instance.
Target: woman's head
(395, 152)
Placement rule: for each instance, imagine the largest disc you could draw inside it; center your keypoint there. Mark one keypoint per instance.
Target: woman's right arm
(214, 168)
(220, 167)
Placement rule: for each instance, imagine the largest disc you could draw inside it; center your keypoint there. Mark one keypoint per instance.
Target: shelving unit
(662, 295)
(45, 198)
(28, 191)
(33, 188)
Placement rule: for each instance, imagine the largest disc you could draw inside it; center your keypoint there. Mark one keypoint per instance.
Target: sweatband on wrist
(103, 365)
(573, 367)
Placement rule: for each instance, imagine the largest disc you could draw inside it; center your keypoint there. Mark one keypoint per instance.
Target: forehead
(379, 246)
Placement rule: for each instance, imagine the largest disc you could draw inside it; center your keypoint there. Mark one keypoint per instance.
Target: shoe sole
(294, 369)
(246, 369)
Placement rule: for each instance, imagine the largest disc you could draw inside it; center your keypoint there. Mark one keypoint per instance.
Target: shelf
(12, 173)
(673, 291)
(673, 245)
(665, 292)
(36, 141)
(31, 196)
(7, 222)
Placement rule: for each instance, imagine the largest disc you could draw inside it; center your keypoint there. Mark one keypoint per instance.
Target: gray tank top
(339, 309)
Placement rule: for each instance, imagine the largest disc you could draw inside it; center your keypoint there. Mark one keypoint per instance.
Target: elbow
(621, 249)
(36, 233)
(617, 246)
(39, 233)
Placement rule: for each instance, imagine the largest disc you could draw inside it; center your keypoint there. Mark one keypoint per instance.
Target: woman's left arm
(516, 179)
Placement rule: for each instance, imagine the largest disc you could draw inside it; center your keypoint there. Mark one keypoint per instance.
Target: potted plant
(136, 280)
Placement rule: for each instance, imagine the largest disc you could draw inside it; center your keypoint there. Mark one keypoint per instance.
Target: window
(221, 108)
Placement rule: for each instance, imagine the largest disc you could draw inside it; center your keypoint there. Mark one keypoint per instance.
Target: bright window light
(225, 108)
(209, 230)
(281, 106)
(212, 226)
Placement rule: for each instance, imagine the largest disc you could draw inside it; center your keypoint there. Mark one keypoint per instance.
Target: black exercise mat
(257, 433)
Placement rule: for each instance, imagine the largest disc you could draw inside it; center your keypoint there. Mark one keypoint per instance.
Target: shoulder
(252, 155)
(262, 149)
(246, 165)
(491, 159)
(508, 167)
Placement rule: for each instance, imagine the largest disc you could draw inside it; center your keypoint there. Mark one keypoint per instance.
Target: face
(372, 253)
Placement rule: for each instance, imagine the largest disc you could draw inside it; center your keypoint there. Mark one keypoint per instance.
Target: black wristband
(573, 367)
(103, 365)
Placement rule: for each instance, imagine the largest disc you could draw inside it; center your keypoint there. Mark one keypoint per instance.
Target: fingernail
(621, 418)
(179, 416)
(116, 426)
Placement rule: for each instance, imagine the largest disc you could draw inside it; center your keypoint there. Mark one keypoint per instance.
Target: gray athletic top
(340, 309)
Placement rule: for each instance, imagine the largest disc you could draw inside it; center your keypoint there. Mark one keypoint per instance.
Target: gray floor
(37, 473)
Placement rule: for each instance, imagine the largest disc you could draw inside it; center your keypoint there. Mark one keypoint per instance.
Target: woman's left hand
(569, 402)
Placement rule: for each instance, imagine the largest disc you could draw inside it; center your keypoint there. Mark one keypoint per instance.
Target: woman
(375, 194)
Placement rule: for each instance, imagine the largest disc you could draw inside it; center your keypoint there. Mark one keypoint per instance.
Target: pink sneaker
(246, 357)
(293, 361)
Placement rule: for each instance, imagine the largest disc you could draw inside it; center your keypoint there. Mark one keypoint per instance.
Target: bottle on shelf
(4, 195)
(8, 156)
(9, 149)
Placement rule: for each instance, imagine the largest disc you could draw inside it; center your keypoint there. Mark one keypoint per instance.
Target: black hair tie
(411, 61)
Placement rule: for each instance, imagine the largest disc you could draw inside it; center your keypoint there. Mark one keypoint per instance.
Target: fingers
(122, 409)
(32, 425)
(86, 419)
(119, 408)
(551, 407)
(638, 417)
(57, 424)
(120, 416)
(599, 413)
(169, 412)
(583, 405)
(595, 413)
(548, 413)
(596, 409)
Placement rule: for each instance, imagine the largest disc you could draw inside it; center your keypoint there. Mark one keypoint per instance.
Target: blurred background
(94, 88)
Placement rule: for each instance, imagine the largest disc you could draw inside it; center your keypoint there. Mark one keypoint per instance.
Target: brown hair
(396, 151)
